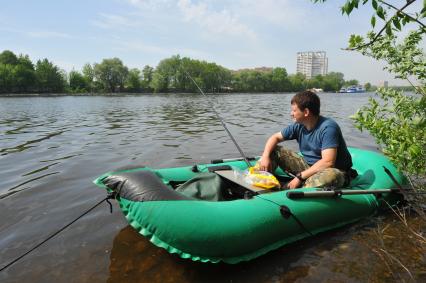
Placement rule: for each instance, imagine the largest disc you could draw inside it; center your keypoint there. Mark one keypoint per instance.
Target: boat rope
(220, 119)
(107, 198)
(286, 213)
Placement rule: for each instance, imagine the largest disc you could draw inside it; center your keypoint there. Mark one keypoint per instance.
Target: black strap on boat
(107, 198)
(286, 213)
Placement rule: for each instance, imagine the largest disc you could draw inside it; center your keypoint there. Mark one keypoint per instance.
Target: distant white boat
(317, 90)
(352, 89)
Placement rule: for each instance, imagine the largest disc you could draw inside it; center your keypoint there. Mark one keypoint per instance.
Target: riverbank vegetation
(397, 120)
(18, 74)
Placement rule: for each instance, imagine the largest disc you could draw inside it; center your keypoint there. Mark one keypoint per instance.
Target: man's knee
(290, 161)
(330, 177)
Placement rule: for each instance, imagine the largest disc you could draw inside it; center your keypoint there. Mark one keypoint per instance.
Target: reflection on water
(343, 255)
(134, 259)
(52, 148)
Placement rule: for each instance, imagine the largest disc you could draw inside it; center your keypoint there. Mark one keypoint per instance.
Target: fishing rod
(221, 121)
(107, 198)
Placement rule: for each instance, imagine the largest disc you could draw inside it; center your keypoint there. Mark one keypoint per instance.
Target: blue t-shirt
(326, 134)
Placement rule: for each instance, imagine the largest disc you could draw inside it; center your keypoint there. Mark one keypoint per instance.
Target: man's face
(296, 113)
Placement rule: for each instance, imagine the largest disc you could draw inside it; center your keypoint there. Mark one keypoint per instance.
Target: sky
(234, 34)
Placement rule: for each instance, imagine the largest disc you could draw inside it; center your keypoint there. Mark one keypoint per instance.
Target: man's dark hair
(307, 99)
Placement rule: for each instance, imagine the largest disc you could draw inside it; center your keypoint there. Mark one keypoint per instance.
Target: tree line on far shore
(18, 74)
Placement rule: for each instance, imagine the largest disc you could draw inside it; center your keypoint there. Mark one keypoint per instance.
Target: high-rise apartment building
(312, 63)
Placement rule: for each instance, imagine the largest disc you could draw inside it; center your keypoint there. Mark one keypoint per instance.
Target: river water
(51, 148)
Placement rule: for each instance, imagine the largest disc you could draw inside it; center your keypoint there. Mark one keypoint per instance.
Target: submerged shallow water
(51, 148)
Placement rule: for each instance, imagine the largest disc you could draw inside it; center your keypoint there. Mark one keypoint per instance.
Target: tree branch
(414, 19)
(388, 22)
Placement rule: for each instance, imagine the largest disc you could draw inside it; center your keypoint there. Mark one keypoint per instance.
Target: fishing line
(220, 119)
(110, 196)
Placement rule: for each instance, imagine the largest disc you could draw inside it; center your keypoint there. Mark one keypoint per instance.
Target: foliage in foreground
(397, 120)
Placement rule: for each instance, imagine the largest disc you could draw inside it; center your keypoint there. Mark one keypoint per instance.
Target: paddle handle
(335, 193)
(216, 161)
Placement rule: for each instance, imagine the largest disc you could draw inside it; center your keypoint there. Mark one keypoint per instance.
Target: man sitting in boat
(326, 161)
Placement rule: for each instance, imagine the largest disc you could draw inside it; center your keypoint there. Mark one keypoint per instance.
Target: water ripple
(28, 144)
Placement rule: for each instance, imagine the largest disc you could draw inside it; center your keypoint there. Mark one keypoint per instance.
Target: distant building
(312, 63)
(384, 84)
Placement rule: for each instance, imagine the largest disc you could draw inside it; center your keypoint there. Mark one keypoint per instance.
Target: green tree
(298, 82)
(162, 76)
(172, 73)
(89, 76)
(24, 78)
(213, 77)
(77, 82)
(167, 76)
(111, 74)
(367, 86)
(24, 74)
(147, 75)
(49, 77)
(333, 81)
(351, 82)
(8, 57)
(6, 78)
(257, 80)
(25, 61)
(134, 80)
(279, 80)
(315, 82)
(397, 120)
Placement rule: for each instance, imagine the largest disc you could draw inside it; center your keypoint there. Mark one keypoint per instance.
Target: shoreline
(137, 94)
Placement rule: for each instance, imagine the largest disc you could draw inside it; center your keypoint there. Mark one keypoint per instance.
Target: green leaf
(373, 21)
(388, 29)
(343, 9)
(380, 12)
(355, 3)
(349, 7)
(396, 23)
(374, 3)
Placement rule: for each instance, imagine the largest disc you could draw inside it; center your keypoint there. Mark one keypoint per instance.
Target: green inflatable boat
(206, 213)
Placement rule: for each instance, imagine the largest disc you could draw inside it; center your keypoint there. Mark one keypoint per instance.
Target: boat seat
(141, 185)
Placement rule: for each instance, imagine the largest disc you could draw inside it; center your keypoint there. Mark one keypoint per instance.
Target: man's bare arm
(265, 162)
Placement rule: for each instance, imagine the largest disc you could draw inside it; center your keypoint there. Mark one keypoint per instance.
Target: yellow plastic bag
(261, 179)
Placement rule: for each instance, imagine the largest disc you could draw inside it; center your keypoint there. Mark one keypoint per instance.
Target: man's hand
(295, 183)
(265, 164)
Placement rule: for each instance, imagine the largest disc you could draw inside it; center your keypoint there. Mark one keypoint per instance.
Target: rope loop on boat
(111, 195)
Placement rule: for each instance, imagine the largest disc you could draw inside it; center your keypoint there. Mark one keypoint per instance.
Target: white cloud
(209, 18)
(152, 4)
(37, 34)
(108, 21)
(47, 34)
(284, 13)
(153, 49)
(222, 22)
